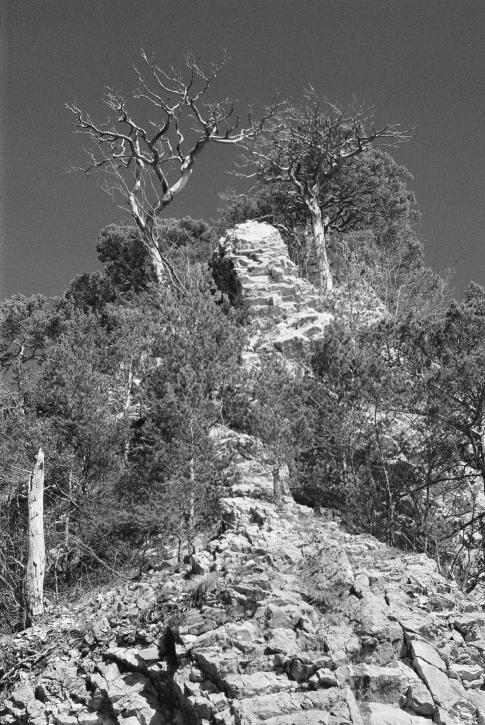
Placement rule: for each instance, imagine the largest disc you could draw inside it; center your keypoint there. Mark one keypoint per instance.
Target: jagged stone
(299, 671)
(414, 623)
(22, 695)
(419, 698)
(259, 683)
(467, 672)
(385, 714)
(65, 720)
(133, 659)
(282, 640)
(341, 642)
(90, 718)
(277, 616)
(423, 651)
(443, 690)
(265, 707)
(314, 717)
(379, 684)
(323, 678)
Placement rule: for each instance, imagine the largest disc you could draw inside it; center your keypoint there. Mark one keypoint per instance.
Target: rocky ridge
(281, 617)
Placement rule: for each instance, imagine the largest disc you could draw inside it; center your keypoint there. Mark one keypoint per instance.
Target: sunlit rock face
(286, 313)
(254, 269)
(267, 281)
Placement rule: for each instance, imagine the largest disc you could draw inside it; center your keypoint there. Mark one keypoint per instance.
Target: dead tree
(148, 161)
(306, 148)
(34, 575)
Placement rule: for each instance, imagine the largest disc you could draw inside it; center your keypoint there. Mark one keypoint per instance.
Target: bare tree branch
(307, 147)
(147, 170)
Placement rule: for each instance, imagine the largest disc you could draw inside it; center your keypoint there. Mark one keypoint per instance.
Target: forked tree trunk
(319, 268)
(146, 224)
(126, 409)
(34, 577)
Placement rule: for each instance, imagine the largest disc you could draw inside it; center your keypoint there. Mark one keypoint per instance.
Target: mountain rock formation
(281, 617)
(254, 268)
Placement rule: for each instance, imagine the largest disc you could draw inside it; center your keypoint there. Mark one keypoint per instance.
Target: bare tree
(307, 148)
(34, 575)
(148, 162)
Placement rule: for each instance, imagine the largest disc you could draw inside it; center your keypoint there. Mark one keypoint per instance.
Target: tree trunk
(68, 514)
(190, 511)
(276, 485)
(146, 226)
(126, 410)
(280, 482)
(34, 578)
(165, 273)
(158, 266)
(319, 268)
(482, 451)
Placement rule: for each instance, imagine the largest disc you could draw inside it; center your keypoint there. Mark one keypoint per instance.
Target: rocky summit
(280, 617)
(254, 268)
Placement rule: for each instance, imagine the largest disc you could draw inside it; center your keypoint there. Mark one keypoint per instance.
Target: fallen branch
(31, 659)
(89, 551)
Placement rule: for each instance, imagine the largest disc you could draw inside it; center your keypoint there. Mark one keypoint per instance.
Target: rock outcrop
(282, 618)
(253, 267)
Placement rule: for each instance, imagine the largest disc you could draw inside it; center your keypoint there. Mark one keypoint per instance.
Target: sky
(420, 63)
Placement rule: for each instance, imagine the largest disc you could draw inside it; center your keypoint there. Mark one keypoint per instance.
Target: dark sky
(419, 62)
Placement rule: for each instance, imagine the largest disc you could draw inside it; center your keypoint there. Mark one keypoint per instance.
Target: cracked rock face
(254, 268)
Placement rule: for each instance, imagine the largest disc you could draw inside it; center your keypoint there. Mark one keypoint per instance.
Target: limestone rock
(423, 651)
(382, 714)
(253, 267)
(240, 686)
(379, 684)
(468, 673)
